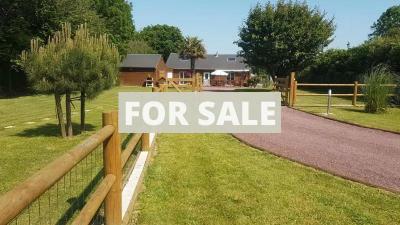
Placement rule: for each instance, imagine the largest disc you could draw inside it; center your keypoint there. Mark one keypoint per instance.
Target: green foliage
(163, 38)
(118, 20)
(139, 47)
(20, 21)
(254, 81)
(284, 37)
(192, 49)
(376, 93)
(44, 63)
(91, 62)
(67, 64)
(388, 21)
(347, 66)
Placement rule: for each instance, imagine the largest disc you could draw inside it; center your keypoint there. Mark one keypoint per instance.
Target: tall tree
(118, 20)
(193, 49)
(163, 38)
(387, 22)
(284, 37)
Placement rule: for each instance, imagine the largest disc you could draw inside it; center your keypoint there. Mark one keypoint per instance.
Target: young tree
(92, 63)
(163, 38)
(388, 21)
(83, 63)
(44, 67)
(192, 49)
(284, 37)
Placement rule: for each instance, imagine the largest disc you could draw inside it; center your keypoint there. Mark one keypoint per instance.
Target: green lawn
(28, 146)
(195, 179)
(387, 121)
(215, 179)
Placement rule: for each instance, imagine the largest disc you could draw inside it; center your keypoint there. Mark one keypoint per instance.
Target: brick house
(234, 71)
(136, 68)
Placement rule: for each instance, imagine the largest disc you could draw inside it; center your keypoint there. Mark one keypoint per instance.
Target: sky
(217, 22)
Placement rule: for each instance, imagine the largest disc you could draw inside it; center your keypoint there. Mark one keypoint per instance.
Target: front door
(206, 78)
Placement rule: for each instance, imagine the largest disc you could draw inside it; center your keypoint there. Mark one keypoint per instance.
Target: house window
(231, 59)
(231, 76)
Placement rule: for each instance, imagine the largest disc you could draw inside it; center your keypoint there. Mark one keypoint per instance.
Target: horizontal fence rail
(89, 211)
(288, 86)
(19, 198)
(66, 177)
(81, 186)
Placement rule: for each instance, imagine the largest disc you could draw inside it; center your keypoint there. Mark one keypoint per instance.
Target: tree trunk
(68, 113)
(60, 116)
(83, 113)
(193, 66)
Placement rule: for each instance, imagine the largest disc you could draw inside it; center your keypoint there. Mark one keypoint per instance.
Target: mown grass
(27, 146)
(215, 179)
(390, 120)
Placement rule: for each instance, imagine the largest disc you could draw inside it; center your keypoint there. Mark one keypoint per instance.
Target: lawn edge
(377, 187)
(347, 122)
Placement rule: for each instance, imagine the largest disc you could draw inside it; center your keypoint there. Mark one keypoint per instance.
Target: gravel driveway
(360, 154)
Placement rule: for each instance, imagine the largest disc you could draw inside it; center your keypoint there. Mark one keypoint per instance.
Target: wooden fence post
(112, 165)
(294, 93)
(355, 93)
(291, 85)
(145, 142)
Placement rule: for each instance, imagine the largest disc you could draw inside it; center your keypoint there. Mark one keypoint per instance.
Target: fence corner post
(355, 93)
(112, 165)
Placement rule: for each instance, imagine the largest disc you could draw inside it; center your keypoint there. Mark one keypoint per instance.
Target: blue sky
(217, 21)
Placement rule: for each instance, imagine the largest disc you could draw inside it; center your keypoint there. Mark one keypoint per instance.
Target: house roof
(141, 61)
(226, 62)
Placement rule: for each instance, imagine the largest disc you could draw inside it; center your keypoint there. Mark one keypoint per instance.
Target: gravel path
(360, 154)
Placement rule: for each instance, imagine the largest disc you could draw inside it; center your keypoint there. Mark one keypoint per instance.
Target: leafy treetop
(163, 38)
(284, 37)
(387, 22)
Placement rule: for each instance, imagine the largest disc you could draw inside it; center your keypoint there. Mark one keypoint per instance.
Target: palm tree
(193, 49)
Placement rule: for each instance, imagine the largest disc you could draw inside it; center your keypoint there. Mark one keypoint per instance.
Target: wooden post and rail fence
(288, 86)
(107, 192)
(195, 83)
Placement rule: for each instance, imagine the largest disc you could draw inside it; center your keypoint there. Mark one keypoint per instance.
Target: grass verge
(389, 120)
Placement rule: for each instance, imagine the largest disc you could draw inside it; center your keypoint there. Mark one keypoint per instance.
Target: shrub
(253, 81)
(376, 94)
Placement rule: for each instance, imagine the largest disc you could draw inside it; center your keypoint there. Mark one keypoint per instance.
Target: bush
(345, 66)
(254, 81)
(376, 94)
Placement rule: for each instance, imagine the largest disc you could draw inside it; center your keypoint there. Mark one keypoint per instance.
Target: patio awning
(219, 73)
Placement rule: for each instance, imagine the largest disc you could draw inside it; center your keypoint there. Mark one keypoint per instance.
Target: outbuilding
(137, 68)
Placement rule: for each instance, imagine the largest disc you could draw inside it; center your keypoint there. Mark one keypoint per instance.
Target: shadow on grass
(50, 130)
(357, 110)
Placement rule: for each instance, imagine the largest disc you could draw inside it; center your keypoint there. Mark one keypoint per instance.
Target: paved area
(360, 154)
